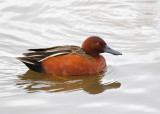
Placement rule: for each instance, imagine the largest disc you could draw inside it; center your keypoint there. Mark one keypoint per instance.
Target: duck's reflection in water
(33, 81)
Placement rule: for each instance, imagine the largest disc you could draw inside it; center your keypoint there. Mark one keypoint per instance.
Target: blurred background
(129, 85)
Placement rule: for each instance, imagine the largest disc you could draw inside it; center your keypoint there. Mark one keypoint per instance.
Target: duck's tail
(31, 64)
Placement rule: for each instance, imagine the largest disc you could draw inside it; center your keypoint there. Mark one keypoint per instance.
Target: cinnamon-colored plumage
(73, 65)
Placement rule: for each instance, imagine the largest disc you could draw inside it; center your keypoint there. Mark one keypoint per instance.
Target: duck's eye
(97, 43)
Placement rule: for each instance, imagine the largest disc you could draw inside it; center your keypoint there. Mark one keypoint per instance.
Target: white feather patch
(53, 55)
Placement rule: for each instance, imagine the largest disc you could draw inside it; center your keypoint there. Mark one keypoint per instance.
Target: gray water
(129, 85)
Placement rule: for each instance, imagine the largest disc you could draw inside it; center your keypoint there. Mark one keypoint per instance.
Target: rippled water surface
(130, 84)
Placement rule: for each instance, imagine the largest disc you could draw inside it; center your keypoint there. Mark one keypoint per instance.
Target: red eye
(98, 43)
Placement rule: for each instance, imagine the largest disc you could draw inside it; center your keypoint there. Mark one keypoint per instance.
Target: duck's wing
(34, 58)
(38, 55)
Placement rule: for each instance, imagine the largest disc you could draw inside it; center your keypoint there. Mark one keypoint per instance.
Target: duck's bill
(112, 51)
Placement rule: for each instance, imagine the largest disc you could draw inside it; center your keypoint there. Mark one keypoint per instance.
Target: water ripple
(131, 80)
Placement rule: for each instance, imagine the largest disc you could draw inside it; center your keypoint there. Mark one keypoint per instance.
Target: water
(129, 86)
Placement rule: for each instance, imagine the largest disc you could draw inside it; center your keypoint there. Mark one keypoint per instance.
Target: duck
(70, 60)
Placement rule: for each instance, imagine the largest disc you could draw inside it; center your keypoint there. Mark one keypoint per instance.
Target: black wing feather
(45, 49)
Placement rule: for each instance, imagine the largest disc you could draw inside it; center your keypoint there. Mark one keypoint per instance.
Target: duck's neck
(91, 52)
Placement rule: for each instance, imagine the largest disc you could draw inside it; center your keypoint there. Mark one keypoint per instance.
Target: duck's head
(95, 45)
